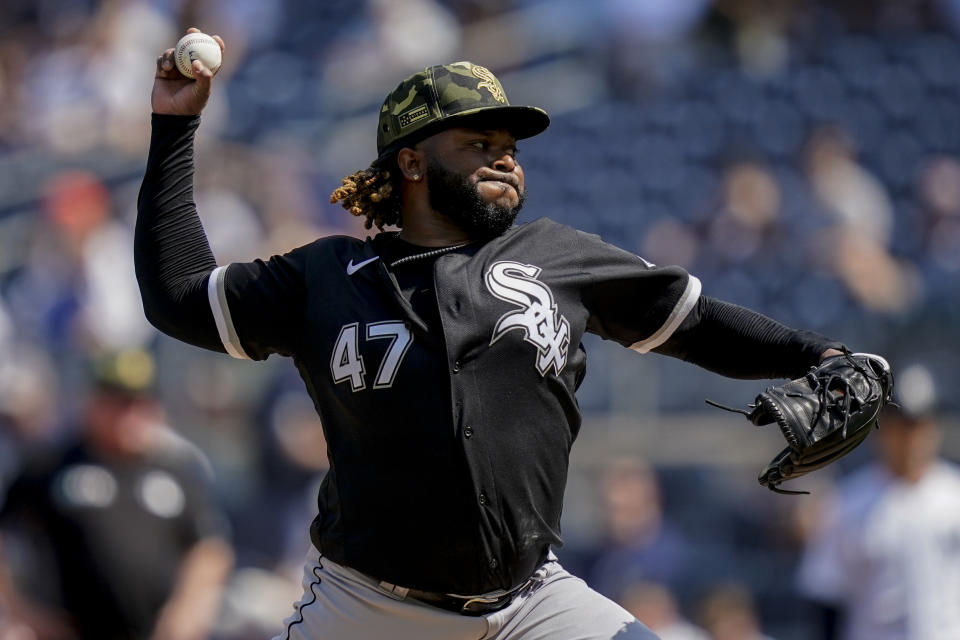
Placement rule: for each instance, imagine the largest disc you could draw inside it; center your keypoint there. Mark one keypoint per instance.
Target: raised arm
(248, 310)
(172, 256)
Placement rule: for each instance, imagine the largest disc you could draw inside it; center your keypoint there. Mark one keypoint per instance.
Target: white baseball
(197, 46)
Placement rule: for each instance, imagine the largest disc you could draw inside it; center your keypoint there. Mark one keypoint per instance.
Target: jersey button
(483, 497)
(493, 563)
(467, 432)
(456, 366)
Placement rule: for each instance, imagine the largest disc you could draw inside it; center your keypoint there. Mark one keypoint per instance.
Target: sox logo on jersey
(538, 319)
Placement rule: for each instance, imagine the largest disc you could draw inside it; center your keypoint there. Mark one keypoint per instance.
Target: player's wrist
(167, 124)
(829, 353)
(161, 116)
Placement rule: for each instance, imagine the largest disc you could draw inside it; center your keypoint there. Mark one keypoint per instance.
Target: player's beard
(456, 197)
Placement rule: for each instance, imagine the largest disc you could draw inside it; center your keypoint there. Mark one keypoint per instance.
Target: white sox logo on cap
(538, 318)
(489, 82)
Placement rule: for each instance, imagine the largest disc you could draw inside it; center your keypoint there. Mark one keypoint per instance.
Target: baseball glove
(824, 415)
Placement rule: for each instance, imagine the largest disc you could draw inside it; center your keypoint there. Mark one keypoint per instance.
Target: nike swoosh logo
(353, 268)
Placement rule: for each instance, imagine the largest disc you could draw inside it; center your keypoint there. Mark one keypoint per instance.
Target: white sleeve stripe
(689, 298)
(217, 294)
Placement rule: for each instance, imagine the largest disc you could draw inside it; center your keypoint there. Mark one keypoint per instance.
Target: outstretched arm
(740, 343)
(172, 256)
(650, 308)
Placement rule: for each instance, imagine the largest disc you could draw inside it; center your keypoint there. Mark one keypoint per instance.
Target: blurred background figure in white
(885, 563)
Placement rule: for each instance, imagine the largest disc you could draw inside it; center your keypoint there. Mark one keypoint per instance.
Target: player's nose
(505, 163)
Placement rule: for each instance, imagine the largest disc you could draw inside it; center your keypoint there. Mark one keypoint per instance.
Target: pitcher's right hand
(176, 94)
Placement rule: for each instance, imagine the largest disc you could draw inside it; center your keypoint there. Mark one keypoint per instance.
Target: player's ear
(412, 164)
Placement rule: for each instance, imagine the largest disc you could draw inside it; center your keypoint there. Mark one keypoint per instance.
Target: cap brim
(521, 121)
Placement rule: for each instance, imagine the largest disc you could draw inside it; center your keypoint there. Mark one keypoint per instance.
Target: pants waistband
(464, 605)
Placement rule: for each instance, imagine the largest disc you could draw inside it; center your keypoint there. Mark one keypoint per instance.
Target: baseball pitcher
(443, 359)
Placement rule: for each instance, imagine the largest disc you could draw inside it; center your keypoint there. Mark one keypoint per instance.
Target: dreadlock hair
(373, 192)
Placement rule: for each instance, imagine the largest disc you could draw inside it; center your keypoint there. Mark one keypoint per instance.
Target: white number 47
(346, 363)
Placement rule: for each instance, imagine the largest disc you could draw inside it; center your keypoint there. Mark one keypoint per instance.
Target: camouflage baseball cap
(441, 96)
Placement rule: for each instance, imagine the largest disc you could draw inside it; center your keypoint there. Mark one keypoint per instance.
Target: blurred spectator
(940, 195)
(886, 561)
(856, 248)
(728, 613)
(66, 104)
(133, 541)
(272, 528)
(647, 41)
(641, 544)
(669, 241)
(940, 187)
(759, 32)
(396, 38)
(28, 388)
(656, 606)
(749, 215)
(853, 196)
(78, 289)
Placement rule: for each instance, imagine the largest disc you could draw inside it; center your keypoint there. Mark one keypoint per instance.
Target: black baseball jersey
(445, 378)
(449, 447)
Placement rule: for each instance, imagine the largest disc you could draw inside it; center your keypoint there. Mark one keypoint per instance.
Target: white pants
(342, 604)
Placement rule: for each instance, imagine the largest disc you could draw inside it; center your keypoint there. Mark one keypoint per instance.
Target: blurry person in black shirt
(115, 536)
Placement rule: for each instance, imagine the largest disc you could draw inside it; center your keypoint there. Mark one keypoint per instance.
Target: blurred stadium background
(801, 158)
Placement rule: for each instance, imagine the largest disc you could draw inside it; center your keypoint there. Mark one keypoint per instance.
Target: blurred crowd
(801, 159)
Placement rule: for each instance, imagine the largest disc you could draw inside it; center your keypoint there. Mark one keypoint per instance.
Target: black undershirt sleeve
(739, 343)
(172, 256)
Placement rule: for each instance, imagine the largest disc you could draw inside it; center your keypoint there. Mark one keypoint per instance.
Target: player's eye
(479, 145)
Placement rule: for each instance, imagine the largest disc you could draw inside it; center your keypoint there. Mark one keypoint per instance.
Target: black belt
(464, 605)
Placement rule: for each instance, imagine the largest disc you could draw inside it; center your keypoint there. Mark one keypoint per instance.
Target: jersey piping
(687, 300)
(217, 294)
